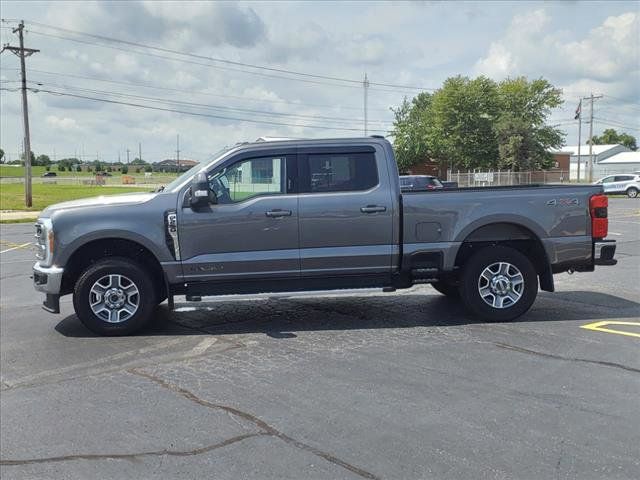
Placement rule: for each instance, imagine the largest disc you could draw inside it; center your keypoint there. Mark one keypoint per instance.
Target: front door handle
(278, 213)
(373, 209)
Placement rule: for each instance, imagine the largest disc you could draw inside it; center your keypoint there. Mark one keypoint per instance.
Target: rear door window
(337, 172)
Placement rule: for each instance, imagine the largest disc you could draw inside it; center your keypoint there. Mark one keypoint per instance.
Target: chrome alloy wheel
(501, 285)
(114, 298)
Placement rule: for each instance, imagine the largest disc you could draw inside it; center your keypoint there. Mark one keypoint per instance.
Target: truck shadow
(283, 316)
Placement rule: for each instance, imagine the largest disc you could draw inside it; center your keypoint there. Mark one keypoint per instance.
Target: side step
(424, 275)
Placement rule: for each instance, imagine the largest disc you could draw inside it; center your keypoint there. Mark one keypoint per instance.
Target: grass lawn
(12, 195)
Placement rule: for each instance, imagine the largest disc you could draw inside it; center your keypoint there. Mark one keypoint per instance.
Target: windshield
(189, 173)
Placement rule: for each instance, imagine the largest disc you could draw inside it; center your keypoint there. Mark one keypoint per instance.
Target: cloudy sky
(85, 81)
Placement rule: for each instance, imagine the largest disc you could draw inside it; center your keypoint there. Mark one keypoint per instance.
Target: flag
(578, 111)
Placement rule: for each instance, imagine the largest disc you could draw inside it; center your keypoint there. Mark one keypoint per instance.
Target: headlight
(44, 240)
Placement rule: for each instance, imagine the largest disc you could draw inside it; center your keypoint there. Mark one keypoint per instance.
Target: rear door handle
(278, 213)
(373, 209)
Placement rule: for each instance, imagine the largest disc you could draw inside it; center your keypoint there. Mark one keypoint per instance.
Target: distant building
(623, 162)
(601, 153)
(171, 165)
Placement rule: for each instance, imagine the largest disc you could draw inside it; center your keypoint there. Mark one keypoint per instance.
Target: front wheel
(114, 296)
(632, 192)
(498, 284)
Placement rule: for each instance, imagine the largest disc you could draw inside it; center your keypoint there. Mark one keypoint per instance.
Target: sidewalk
(17, 215)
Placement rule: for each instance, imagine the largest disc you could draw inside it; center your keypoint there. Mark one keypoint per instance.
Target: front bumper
(49, 281)
(603, 252)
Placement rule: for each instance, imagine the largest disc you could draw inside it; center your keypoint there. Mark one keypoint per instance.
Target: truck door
(252, 232)
(346, 211)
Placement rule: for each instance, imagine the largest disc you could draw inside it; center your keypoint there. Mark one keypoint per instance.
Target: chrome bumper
(603, 252)
(47, 279)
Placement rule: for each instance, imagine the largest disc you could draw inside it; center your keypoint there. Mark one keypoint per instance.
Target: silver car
(623, 183)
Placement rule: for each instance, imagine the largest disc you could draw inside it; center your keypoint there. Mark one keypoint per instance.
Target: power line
(198, 114)
(200, 92)
(616, 123)
(357, 83)
(207, 106)
(209, 65)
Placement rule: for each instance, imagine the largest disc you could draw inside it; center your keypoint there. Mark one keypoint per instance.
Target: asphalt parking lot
(403, 385)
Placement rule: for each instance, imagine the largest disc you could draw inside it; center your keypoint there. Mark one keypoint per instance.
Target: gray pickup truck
(302, 215)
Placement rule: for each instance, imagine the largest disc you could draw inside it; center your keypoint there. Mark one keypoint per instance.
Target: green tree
(138, 161)
(1, 155)
(478, 123)
(610, 136)
(98, 166)
(78, 168)
(42, 160)
(524, 140)
(125, 169)
(410, 139)
(33, 158)
(464, 112)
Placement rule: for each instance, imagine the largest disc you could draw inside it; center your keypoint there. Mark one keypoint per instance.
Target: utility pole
(178, 152)
(591, 98)
(127, 156)
(22, 53)
(365, 85)
(579, 115)
(140, 150)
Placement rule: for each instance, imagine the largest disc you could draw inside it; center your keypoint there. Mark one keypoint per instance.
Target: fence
(501, 177)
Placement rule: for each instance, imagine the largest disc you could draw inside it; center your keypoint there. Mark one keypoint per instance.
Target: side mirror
(201, 194)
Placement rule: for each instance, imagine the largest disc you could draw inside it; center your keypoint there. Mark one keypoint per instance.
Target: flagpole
(579, 135)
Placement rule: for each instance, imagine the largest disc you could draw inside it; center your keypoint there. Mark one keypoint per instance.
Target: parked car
(49, 174)
(415, 183)
(259, 218)
(628, 184)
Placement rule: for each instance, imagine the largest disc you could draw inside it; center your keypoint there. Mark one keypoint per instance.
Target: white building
(623, 162)
(601, 153)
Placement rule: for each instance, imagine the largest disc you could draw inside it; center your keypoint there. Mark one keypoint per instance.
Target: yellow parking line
(16, 247)
(598, 327)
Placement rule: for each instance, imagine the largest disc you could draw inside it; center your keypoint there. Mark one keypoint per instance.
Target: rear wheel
(499, 284)
(632, 192)
(114, 296)
(446, 289)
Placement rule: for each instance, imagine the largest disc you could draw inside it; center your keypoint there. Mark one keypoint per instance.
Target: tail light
(599, 222)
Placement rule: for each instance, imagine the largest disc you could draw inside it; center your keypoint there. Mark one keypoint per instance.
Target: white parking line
(15, 248)
(615, 233)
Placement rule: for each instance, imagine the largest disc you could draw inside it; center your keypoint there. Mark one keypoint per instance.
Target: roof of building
(584, 149)
(173, 161)
(622, 157)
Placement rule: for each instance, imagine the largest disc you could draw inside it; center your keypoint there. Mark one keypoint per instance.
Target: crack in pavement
(133, 456)
(567, 359)
(265, 427)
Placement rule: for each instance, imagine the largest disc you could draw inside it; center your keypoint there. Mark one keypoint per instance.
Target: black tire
(632, 192)
(471, 282)
(131, 271)
(447, 289)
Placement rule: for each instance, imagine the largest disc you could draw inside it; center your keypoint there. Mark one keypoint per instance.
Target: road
(403, 385)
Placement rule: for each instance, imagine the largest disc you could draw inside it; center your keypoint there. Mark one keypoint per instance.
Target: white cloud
(532, 47)
(62, 123)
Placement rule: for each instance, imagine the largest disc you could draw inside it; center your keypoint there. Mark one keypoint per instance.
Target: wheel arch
(91, 251)
(511, 234)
